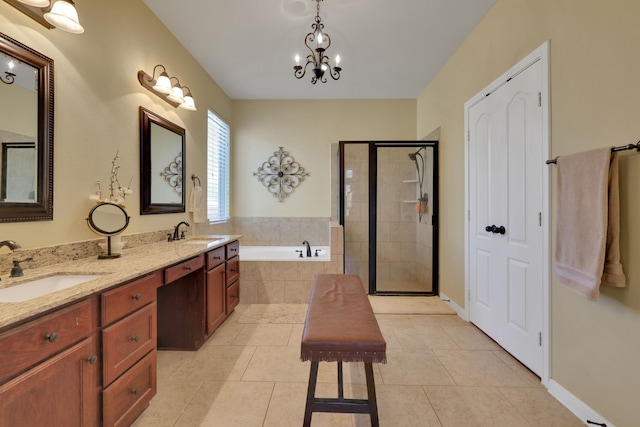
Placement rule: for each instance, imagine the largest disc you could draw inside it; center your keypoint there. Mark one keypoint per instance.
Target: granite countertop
(133, 263)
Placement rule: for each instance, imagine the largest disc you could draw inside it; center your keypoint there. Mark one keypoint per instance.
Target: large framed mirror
(26, 133)
(162, 150)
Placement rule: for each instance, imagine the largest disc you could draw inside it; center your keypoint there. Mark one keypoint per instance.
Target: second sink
(43, 286)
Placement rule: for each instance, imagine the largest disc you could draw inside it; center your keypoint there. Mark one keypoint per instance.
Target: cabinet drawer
(185, 267)
(215, 257)
(35, 341)
(233, 249)
(126, 299)
(233, 297)
(233, 270)
(130, 394)
(126, 341)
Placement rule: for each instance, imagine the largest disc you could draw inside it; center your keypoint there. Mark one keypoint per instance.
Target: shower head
(412, 156)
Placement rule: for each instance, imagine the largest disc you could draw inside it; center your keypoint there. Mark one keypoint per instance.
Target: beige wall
(595, 93)
(97, 96)
(306, 129)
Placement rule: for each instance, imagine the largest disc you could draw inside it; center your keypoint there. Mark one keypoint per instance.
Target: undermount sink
(43, 286)
(201, 241)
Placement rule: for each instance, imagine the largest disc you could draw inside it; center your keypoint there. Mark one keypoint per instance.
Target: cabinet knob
(135, 339)
(51, 337)
(135, 391)
(137, 297)
(92, 359)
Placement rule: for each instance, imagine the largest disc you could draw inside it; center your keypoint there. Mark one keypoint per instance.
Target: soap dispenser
(16, 270)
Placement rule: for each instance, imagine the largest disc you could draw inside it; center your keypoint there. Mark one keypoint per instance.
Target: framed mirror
(26, 133)
(162, 148)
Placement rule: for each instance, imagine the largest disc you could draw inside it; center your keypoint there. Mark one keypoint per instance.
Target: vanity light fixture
(189, 103)
(318, 59)
(60, 14)
(175, 94)
(63, 14)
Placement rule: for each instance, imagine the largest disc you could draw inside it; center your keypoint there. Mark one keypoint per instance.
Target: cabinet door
(58, 392)
(215, 298)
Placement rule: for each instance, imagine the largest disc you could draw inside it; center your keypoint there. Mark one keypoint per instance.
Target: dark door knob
(495, 229)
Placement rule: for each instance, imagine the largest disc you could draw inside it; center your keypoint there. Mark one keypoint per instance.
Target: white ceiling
(388, 48)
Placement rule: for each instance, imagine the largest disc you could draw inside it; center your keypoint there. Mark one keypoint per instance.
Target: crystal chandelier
(318, 60)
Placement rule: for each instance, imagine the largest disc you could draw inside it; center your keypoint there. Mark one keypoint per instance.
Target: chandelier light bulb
(297, 58)
(337, 60)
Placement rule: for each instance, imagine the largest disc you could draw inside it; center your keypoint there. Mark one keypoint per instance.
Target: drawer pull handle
(188, 268)
(137, 297)
(234, 270)
(92, 359)
(217, 257)
(51, 337)
(135, 391)
(135, 339)
(233, 249)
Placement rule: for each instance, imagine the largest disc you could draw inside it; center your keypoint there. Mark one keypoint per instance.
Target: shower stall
(388, 207)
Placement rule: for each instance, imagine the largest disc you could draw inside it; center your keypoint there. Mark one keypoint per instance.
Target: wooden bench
(340, 327)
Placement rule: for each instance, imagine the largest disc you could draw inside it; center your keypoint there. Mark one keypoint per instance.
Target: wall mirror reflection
(26, 133)
(162, 150)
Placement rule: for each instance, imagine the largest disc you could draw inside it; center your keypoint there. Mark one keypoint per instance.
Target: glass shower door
(388, 209)
(404, 219)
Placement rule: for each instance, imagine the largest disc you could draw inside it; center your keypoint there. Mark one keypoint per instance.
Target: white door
(505, 215)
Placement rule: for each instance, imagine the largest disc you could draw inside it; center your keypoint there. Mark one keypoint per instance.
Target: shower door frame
(373, 206)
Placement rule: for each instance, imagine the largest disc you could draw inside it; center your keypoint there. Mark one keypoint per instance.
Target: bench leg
(311, 393)
(371, 394)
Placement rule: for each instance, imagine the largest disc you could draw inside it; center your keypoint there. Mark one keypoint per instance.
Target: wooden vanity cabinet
(129, 338)
(50, 370)
(182, 306)
(232, 293)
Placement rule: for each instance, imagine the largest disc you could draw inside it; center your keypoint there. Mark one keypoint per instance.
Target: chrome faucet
(10, 244)
(176, 231)
(308, 248)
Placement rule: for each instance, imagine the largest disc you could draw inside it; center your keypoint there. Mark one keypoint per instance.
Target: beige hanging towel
(588, 222)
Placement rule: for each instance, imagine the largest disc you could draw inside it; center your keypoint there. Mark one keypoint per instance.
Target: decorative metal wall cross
(173, 174)
(281, 174)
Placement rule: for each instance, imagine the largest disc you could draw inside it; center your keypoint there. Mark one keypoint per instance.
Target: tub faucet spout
(308, 248)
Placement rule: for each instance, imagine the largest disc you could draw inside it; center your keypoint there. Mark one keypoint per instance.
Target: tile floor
(441, 371)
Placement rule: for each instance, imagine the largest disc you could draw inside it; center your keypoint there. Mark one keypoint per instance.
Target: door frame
(540, 54)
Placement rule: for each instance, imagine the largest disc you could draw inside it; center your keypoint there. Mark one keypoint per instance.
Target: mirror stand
(109, 254)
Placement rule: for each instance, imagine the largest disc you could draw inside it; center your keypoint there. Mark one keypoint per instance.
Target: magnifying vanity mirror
(108, 219)
(162, 151)
(26, 133)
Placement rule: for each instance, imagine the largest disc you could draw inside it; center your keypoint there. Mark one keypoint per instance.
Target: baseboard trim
(461, 311)
(575, 405)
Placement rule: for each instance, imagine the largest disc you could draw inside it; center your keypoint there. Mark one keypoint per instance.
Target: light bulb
(297, 59)
(337, 60)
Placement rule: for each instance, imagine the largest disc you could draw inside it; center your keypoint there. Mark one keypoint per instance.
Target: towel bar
(635, 146)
